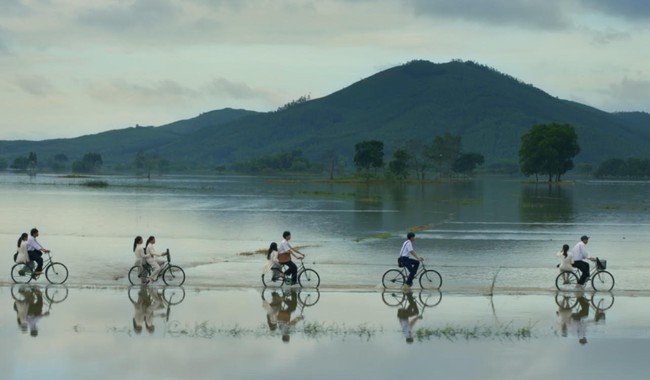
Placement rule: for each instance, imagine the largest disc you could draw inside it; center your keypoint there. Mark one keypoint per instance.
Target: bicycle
(601, 280)
(55, 272)
(396, 278)
(275, 278)
(171, 274)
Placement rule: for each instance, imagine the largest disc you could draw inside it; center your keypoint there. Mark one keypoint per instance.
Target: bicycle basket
(601, 264)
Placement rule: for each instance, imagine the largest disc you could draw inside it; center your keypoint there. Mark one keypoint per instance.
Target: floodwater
(493, 240)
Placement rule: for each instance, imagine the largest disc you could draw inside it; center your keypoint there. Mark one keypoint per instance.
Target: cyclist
(150, 255)
(272, 262)
(138, 251)
(36, 251)
(406, 261)
(579, 255)
(285, 251)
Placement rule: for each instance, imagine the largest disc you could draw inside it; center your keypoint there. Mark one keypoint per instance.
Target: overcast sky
(75, 67)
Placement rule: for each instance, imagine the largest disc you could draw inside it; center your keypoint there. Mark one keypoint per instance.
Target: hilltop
(412, 102)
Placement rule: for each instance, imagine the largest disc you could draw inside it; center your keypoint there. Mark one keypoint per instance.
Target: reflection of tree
(541, 203)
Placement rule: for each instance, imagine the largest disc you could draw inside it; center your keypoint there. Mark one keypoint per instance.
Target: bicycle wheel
(174, 295)
(137, 276)
(602, 300)
(56, 294)
(566, 300)
(56, 273)
(392, 298)
(173, 275)
(309, 278)
(566, 281)
(21, 273)
(308, 297)
(430, 299)
(602, 281)
(430, 279)
(272, 278)
(393, 279)
(18, 292)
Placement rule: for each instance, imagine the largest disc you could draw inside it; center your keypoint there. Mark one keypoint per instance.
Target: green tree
(467, 162)
(369, 154)
(399, 166)
(90, 163)
(548, 149)
(444, 151)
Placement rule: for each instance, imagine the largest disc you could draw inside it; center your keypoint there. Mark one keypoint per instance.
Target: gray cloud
(632, 93)
(541, 14)
(131, 16)
(36, 85)
(629, 9)
(160, 93)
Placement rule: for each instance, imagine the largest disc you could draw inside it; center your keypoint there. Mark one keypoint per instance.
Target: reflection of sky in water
(90, 334)
(352, 232)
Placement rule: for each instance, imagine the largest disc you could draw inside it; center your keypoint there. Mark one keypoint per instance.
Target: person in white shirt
(406, 261)
(579, 255)
(36, 250)
(150, 256)
(285, 251)
(138, 251)
(22, 256)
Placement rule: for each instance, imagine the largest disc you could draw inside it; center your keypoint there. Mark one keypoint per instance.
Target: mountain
(412, 102)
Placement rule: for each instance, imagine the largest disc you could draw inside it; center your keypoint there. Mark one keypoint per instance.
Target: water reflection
(541, 203)
(150, 303)
(574, 309)
(29, 302)
(285, 307)
(410, 309)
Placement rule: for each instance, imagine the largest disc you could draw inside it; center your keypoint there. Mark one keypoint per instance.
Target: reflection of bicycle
(424, 299)
(600, 301)
(55, 273)
(53, 293)
(172, 296)
(306, 297)
(396, 278)
(171, 274)
(307, 277)
(601, 280)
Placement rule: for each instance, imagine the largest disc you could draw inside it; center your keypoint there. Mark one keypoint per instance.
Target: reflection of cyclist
(21, 306)
(564, 315)
(408, 316)
(284, 315)
(579, 319)
(35, 310)
(155, 305)
(140, 308)
(405, 260)
(272, 309)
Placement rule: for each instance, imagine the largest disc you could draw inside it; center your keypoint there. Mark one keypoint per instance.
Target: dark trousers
(292, 270)
(584, 268)
(412, 265)
(38, 257)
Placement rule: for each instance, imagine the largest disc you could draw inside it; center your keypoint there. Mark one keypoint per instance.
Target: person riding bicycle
(36, 251)
(138, 251)
(285, 251)
(150, 256)
(405, 260)
(579, 255)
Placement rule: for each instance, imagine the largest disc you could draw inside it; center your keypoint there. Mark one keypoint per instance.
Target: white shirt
(407, 248)
(23, 256)
(33, 245)
(284, 246)
(580, 251)
(139, 254)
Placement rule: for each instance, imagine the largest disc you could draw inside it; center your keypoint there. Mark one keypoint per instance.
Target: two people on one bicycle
(285, 251)
(35, 251)
(405, 260)
(147, 254)
(580, 254)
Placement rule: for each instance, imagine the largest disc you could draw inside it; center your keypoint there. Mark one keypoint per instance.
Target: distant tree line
(631, 168)
(443, 155)
(287, 162)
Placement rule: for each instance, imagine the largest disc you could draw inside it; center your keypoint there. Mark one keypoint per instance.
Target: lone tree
(548, 149)
(369, 154)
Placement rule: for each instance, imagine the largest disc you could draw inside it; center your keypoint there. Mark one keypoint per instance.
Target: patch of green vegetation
(477, 332)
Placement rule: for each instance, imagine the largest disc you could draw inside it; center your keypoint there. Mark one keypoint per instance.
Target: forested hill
(412, 102)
